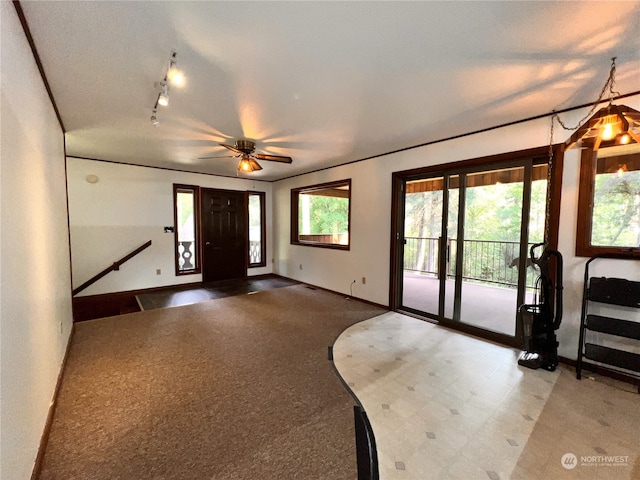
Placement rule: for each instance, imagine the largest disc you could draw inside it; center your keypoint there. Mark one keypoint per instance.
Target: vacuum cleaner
(539, 320)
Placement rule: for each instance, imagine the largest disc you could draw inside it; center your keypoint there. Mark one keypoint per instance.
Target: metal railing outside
(485, 261)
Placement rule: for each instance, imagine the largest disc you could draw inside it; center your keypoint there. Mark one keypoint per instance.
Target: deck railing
(485, 261)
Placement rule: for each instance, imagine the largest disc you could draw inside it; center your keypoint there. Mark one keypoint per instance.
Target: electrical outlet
(158, 271)
(364, 280)
(300, 266)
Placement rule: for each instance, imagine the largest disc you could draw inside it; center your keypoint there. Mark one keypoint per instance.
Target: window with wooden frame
(186, 215)
(321, 215)
(609, 202)
(257, 230)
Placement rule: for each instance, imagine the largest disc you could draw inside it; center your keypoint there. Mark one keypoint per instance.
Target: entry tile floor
(444, 405)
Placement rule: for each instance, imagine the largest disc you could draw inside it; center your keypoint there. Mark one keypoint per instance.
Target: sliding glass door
(465, 243)
(422, 231)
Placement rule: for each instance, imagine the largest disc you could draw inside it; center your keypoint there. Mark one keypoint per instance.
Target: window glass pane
(616, 201)
(323, 215)
(538, 208)
(255, 229)
(186, 232)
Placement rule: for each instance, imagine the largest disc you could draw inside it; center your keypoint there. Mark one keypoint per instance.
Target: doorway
(224, 234)
(462, 238)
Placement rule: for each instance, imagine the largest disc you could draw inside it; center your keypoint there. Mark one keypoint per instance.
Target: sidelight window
(257, 229)
(185, 200)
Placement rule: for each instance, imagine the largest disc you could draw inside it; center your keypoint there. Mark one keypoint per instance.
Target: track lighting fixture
(175, 76)
(172, 76)
(163, 97)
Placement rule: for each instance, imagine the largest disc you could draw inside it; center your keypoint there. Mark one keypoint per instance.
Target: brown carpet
(234, 388)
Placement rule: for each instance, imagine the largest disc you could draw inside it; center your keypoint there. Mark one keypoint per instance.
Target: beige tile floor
(444, 405)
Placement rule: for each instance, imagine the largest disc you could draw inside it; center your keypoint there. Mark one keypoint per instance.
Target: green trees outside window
(609, 202)
(616, 209)
(320, 215)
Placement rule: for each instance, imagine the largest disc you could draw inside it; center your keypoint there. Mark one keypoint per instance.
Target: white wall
(574, 266)
(371, 217)
(128, 206)
(35, 294)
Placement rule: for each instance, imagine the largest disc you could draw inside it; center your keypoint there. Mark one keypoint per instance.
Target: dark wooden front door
(224, 235)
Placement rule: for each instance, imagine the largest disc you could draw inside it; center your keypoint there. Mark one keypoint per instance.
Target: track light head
(154, 118)
(163, 97)
(174, 75)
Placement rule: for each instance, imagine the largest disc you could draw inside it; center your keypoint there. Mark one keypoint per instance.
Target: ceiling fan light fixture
(245, 165)
(248, 165)
(244, 149)
(255, 166)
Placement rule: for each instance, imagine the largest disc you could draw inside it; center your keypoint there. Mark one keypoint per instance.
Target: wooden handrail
(111, 268)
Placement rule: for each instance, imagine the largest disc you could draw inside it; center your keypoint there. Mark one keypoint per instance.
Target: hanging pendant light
(611, 125)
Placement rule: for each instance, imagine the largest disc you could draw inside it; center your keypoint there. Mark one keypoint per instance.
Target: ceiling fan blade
(273, 158)
(233, 149)
(223, 156)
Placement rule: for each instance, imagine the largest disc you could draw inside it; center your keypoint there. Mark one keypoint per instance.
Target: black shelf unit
(610, 291)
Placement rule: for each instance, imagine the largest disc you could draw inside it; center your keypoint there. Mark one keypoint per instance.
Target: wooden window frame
(295, 194)
(588, 166)
(263, 230)
(177, 187)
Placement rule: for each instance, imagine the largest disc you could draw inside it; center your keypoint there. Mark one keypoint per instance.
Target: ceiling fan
(244, 149)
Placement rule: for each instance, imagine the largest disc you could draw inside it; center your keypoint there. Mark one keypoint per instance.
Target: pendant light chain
(551, 164)
(608, 85)
(550, 168)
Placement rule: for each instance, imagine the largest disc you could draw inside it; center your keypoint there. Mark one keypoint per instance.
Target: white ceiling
(323, 82)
